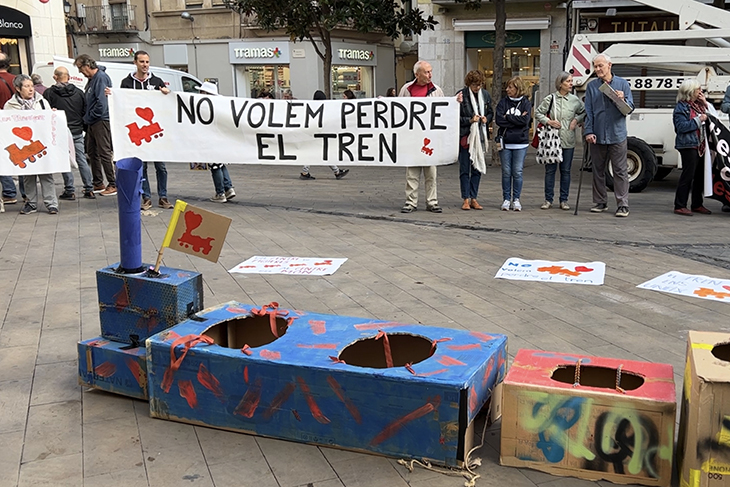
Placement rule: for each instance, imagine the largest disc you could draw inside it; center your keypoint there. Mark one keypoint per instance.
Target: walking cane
(584, 165)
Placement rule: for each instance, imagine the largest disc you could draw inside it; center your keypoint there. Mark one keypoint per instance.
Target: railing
(117, 17)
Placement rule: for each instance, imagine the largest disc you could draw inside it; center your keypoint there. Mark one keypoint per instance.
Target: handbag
(549, 150)
(535, 137)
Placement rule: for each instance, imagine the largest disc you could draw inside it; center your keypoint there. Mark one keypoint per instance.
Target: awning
(537, 23)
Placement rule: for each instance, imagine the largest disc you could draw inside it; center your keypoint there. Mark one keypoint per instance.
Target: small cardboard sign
(197, 231)
(696, 286)
(33, 142)
(591, 273)
(311, 266)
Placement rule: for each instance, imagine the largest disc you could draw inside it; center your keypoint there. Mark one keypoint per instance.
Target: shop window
(355, 78)
(518, 61)
(11, 48)
(274, 79)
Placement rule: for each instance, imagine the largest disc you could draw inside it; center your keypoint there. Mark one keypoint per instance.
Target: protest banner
(185, 127)
(718, 139)
(695, 286)
(590, 273)
(33, 142)
(303, 266)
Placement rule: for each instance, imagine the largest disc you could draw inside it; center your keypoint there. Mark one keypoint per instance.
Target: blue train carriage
(113, 367)
(382, 387)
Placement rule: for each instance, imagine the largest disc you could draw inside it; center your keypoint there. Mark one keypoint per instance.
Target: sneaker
(9, 200)
(219, 198)
(98, 188)
(505, 205)
(600, 207)
(622, 211)
(109, 191)
(306, 175)
(146, 204)
(408, 209)
(53, 210)
(516, 205)
(230, 193)
(165, 203)
(564, 205)
(547, 205)
(434, 209)
(67, 195)
(341, 173)
(89, 195)
(28, 208)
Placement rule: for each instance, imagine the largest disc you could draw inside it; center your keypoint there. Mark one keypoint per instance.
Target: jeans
(513, 161)
(221, 179)
(551, 169)
(161, 172)
(84, 169)
(690, 181)
(469, 177)
(8, 184)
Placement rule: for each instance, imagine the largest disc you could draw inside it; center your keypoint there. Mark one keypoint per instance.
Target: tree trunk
(327, 64)
(499, 44)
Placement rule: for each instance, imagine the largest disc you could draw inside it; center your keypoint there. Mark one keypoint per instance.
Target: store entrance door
(15, 32)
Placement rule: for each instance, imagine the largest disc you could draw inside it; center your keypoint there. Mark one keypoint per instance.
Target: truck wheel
(641, 166)
(662, 172)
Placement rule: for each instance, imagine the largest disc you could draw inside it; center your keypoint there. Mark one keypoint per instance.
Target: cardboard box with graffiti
(703, 448)
(589, 417)
(384, 387)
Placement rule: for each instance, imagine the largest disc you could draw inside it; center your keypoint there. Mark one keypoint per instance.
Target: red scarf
(697, 108)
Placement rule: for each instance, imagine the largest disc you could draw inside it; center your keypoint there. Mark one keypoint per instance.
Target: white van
(174, 79)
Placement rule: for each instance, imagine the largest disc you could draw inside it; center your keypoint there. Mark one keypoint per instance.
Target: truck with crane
(659, 60)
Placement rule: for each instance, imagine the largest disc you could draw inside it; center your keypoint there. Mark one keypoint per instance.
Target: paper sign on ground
(185, 127)
(591, 273)
(33, 142)
(310, 266)
(697, 286)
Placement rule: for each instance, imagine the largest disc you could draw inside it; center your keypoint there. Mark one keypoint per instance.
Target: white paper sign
(303, 266)
(33, 142)
(696, 286)
(187, 127)
(590, 273)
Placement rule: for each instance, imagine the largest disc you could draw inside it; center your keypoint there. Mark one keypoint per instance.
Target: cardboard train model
(404, 390)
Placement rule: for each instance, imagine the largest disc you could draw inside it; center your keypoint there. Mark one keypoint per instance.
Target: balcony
(109, 19)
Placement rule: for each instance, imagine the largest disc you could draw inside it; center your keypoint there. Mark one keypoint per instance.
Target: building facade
(31, 31)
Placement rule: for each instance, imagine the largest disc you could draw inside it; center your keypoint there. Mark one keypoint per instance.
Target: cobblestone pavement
(434, 269)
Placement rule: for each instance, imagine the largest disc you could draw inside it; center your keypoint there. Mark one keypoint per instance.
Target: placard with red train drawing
(302, 266)
(696, 286)
(33, 142)
(192, 127)
(591, 273)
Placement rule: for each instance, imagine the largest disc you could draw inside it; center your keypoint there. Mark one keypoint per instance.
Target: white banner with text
(590, 273)
(33, 142)
(187, 127)
(696, 286)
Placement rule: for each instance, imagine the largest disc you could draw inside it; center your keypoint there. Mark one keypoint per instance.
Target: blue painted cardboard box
(390, 388)
(113, 367)
(133, 307)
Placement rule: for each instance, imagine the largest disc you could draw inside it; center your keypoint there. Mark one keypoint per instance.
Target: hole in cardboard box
(404, 348)
(722, 351)
(254, 331)
(593, 376)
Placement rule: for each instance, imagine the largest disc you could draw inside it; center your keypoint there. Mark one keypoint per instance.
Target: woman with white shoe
(513, 118)
(564, 111)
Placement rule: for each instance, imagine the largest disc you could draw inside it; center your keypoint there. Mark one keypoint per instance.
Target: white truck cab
(174, 79)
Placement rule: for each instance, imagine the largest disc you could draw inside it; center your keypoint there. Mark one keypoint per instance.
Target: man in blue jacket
(605, 129)
(96, 118)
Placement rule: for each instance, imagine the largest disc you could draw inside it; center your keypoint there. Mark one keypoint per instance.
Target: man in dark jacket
(142, 79)
(67, 97)
(96, 118)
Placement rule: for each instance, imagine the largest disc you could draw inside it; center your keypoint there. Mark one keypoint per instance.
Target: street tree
(314, 20)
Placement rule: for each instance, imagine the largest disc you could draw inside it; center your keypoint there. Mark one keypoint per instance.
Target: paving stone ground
(434, 269)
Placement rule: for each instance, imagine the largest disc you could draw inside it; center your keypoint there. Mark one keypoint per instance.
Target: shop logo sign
(4, 24)
(356, 54)
(120, 52)
(257, 52)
